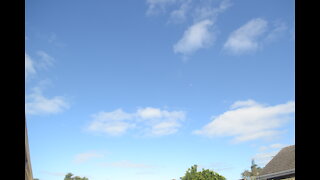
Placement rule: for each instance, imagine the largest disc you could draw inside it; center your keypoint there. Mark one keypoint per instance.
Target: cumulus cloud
(195, 37)
(149, 121)
(245, 39)
(249, 120)
(113, 123)
(37, 103)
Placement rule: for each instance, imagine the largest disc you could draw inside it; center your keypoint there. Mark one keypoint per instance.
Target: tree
(69, 177)
(205, 174)
(251, 175)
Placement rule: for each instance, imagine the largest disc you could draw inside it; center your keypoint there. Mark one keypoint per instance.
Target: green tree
(205, 174)
(251, 175)
(69, 177)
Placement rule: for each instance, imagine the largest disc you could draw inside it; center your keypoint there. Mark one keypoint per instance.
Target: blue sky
(145, 89)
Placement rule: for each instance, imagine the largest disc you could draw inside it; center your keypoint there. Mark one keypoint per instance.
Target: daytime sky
(145, 89)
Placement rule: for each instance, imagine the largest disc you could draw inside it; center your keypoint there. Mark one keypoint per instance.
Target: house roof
(283, 161)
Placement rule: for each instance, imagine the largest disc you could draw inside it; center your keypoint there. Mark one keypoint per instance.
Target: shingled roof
(283, 161)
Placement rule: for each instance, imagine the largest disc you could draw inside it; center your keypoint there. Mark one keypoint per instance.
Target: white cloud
(204, 13)
(292, 33)
(201, 34)
(277, 146)
(206, 10)
(245, 39)
(54, 40)
(112, 123)
(116, 115)
(279, 28)
(149, 112)
(195, 37)
(272, 146)
(45, 60)
(267, 153)
(261, 159)
(37, 104)
(149, 120)
(84, 157)
(180, 15)
(165, 128)
(158, 6)
(247, 103)
(54, 173)
(29, 66)
(52, 37)
(249, 121)
(126, 164)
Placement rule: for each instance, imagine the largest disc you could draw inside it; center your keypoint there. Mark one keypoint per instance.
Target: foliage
(255, 170)
(69, 177)
(205, 174)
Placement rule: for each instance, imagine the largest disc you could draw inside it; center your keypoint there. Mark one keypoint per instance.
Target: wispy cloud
(33, 65)
(267, 153)
(195, 37)
(249, 120)
(272, 146)
(200, 34)
(29, 66)
(180, 15)
(278, 29)
(206, 10)
(54, 40)
(245, 39)
(263, 158)
(148, 121)
(254, 35)
(60, 174)
(84, 157)
(125, 164)
(45, 60)
(217, 166)
(36, 103)
(158, 6)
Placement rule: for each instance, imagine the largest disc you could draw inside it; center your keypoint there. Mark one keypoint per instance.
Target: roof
(283, 161)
